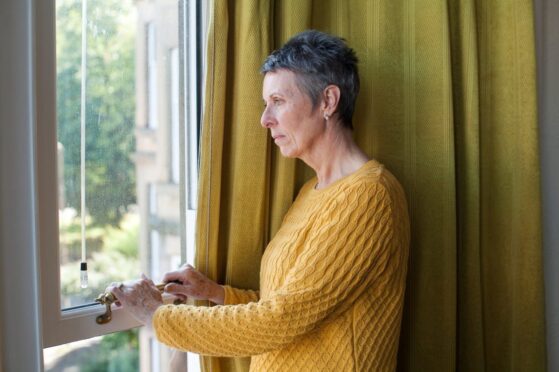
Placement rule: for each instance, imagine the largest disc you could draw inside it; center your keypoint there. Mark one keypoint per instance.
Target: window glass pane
(175, 115)
(151, 69)
(129, 116)
(106, 108)
(115, 352)
(132, 206)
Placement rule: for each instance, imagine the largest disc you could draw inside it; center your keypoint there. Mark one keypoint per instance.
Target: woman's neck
(334, 156)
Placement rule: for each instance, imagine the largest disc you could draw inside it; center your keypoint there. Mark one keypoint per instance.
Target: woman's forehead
(282, 82)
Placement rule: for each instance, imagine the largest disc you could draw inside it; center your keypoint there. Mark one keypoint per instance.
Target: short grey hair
(318, 60)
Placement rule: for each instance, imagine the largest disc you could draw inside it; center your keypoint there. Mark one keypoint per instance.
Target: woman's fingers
(184, 290)
(193, 284)
(115, 288)
(115, 291)
(173, 276)
(141, 298)
(174, 288)
(148, 280)
(179, 275)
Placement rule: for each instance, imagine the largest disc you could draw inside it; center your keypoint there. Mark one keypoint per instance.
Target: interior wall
(547, 43)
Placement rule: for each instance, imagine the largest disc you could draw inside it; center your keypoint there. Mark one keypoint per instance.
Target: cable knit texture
(331, 286)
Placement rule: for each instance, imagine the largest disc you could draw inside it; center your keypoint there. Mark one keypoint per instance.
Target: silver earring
(326, 116)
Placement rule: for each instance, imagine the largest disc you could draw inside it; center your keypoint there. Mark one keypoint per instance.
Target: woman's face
(289, 114)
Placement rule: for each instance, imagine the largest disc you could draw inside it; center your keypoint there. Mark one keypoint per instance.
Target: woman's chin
(287, 153)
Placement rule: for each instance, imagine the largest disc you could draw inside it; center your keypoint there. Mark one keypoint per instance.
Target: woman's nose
(266, 120)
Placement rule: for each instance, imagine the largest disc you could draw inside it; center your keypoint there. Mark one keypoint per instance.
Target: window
(175, 115)
(151, 67)
(130, 100)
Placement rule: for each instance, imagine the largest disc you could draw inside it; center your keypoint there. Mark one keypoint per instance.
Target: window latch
(108, 298)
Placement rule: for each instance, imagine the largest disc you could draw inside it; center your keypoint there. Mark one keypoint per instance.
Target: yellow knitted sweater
(331, 286)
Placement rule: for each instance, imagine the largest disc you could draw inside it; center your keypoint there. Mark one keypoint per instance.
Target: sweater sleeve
(234, 296)
(349, 244)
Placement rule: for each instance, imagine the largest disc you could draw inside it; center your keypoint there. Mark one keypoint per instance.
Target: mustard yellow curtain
(448, 103)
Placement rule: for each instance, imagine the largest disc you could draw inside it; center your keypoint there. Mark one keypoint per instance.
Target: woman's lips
(278, 138)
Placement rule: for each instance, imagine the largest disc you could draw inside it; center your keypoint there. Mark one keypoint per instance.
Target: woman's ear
(330, 100)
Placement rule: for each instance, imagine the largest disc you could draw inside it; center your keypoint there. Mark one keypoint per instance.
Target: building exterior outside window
(157, 156)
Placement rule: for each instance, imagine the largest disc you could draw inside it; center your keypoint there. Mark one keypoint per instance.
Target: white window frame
(189, 132)
(60, 327)
(174, 91)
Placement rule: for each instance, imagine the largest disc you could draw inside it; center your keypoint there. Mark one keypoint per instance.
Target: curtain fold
(232, 221)
(448, 103)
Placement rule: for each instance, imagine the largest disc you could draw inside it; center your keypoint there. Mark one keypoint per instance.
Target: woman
(332, 279)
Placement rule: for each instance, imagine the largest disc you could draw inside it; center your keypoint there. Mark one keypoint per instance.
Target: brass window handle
(108, 298)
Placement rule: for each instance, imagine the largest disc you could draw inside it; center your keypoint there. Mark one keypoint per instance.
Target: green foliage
(110, 108)
(113, 257)
(124, 239)
(119, 352)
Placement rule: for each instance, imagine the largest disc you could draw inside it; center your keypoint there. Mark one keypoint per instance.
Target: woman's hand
(189, 282)
(140, 298)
